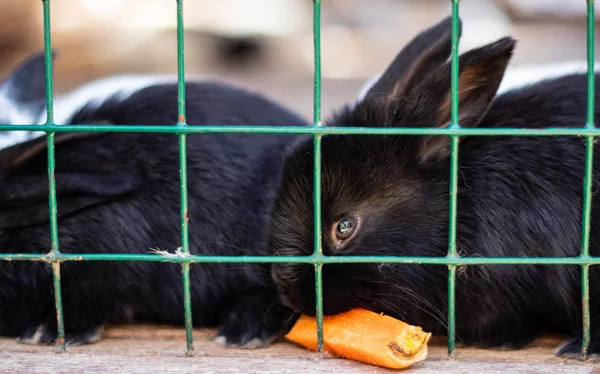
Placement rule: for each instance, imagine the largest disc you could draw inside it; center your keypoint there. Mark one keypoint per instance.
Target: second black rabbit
(119, 193)
(389, 195)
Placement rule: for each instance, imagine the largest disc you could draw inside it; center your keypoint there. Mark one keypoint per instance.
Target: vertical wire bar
(317, 56)
(452, 215)
(587, 183)
(317, 173)
(185, 242)
(51, 177)
(48, 63)
(585, 292)
(180, 65)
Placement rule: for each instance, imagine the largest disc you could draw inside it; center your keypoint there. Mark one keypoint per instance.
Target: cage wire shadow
(454, 131)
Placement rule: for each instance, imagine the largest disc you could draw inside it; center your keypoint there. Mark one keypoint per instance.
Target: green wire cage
(317, 259)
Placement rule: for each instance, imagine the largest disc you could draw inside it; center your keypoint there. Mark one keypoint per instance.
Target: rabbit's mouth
(283, 287)
(283, 296)
(299, 293)
(292, 281)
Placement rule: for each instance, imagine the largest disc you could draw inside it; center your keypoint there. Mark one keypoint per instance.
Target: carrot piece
(365, 336)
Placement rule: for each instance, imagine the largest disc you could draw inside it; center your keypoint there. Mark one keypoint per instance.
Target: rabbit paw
(572, 348)
(256, 320)
(44, 335)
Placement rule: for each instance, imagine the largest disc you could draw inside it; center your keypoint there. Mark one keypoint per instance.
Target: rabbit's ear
(27, 83)
(480, 74)
(424, 53)
(24, 186)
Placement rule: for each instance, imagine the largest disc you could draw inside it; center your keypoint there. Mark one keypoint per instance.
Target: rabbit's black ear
(480, 74)
(424, 53)
(27, 84)
(24, 185)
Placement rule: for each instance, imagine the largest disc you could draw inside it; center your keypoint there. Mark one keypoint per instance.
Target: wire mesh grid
(454, 131)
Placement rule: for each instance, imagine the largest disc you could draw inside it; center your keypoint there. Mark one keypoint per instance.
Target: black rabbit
(119, 193)
(388, 195)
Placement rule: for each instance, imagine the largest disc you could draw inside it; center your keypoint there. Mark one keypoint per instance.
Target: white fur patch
(35, 338)
(97, 335)
(96, 92)
(221, 340)
(367, 86)
(257, 343)
(92, 94)
(11, 113)
(15, 137)
(525, 75)
(93, 337)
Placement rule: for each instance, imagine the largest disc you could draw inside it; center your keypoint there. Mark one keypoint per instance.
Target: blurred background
(267, 45)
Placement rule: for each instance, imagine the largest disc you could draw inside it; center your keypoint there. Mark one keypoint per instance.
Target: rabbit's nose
(285, 300)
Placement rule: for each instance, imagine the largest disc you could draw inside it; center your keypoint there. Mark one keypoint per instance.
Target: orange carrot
(365, 336)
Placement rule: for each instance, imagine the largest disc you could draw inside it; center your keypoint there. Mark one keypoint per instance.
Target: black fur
(517, 196)
(119, 193)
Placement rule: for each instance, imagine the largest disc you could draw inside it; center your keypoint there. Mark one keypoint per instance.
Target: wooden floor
(144, 349)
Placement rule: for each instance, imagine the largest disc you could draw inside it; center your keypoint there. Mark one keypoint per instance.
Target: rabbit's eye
(343, 230)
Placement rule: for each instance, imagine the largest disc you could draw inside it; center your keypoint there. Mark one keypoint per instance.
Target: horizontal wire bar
(308, 130)
(319, 259)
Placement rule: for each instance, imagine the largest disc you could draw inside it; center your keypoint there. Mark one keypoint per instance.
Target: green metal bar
(180, 64)
(585, 303)
(185, 240)
(318, 250)
(58, 305)
(54, 248)
(588, 183)
(452, 215)
(590, 63)
(312, 259)
(48, 64)
(317, 57)
(319, 302)
(185, 246)
(454, 66)
(585, 244)
(317, 173)
(451, 309)
(308, 130)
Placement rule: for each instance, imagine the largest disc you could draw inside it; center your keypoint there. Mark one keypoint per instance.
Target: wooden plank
(156, 349)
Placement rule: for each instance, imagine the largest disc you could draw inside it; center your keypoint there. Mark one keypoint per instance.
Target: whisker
(422, 299)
